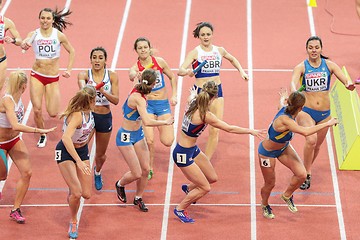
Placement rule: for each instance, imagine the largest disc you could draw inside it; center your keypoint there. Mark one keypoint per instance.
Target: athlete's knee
(53, 113)
(76, 194)
(145, 171)
(213, 179)
(311, 141)
(26, 174)
(206, 188)
(167, 141)
(150, 141)
(269, 183)
(37, 112)
(301, 176)
(86, 195)
(137, 174)
(100, 158)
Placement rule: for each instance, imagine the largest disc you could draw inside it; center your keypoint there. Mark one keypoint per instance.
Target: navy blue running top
(190, 129)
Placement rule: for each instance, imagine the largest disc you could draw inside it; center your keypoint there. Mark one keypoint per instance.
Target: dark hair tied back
(199, 26)
(60, 18)
(148, 77)
(295, 101)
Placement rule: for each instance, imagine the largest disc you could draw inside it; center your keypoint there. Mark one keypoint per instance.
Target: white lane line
(170, 174)
(331, 153)
(251, 121)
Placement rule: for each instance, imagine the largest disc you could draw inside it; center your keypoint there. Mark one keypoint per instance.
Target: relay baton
(302, 88)
(150, 65)
(100, 85)
(30, 41)
(200, 66)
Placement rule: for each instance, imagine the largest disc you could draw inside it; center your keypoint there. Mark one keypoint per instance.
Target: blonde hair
(202, 100)
(81, 101)
(15, 81)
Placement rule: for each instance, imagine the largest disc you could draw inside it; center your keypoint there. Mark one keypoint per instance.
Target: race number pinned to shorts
(265, 162)
(125, 137)
(57, 155)
(181, 158)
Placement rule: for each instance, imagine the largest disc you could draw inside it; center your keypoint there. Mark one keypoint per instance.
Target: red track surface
(279, 31)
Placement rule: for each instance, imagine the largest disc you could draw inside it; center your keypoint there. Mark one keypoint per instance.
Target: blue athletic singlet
(280, 137)
(316, 79)
(130, 113)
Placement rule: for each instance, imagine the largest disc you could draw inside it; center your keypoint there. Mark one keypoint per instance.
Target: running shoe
(141, 204)
(306, 183)
(17, 216)
(120, 191)
(73, 230)
(290, 203)
(267, 212)
(42, 141)
(98, 180)
(151, 173)
(183, 216)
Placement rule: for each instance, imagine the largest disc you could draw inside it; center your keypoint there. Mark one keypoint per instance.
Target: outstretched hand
(244, 76)
(333, 121)
(350, 86)
(42, 131)
(85, 169)
(259, 133)
(284, 96)
(169, 121)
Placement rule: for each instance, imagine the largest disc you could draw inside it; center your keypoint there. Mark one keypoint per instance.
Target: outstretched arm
(16, 126)
(173, 81)
(69, 48)
(306, 131)
(217, 123)
(16, 39)
(184, 70)
(340, 75)
(234, 62)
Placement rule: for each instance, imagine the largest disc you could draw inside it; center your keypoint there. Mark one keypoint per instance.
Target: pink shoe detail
(17, 216)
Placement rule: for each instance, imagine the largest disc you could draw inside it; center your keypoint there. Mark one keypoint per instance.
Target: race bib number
(181, 158)
(265, 162)
(125, 137)
(57, 155)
